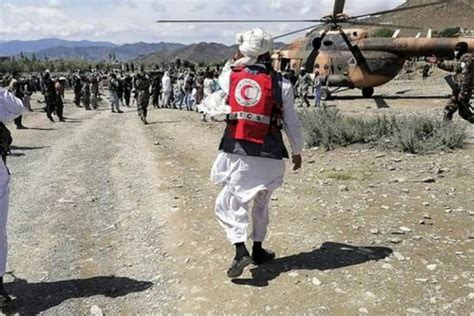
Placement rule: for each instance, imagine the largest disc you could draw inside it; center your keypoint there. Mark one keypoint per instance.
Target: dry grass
(328, 128)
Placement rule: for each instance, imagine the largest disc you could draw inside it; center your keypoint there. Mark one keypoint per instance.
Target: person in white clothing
(167, 89)
(250, 164)
(10, 108)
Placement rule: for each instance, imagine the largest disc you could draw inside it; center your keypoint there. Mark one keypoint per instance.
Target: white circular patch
(248, 92)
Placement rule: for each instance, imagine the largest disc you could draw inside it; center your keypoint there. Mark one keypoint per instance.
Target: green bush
(449, 32)
(382, 32)
(329, 129)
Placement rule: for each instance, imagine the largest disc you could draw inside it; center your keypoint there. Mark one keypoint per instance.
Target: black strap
(277, 82)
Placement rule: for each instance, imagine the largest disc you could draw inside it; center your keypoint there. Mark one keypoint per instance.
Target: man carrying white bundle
(250, 166)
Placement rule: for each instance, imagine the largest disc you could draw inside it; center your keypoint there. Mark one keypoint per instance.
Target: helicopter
(347, 58)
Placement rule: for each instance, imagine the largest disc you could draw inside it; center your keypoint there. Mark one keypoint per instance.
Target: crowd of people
(177, 89)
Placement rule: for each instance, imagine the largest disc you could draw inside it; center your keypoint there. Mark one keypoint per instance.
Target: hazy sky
(126, 21)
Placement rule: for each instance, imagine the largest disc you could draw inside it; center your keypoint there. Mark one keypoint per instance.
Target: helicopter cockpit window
(328, 43)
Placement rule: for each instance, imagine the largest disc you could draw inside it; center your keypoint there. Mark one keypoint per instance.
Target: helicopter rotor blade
(384, 25)
(297, 31)
(238, 21)
(398, 10)
(359, 57)
(338, 7)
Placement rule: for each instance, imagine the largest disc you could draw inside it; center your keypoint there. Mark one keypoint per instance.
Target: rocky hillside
(196, 53)
(201, 52)
(455, 13)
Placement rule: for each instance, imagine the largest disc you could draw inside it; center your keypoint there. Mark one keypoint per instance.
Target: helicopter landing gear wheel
(325, 94)
(367, 92)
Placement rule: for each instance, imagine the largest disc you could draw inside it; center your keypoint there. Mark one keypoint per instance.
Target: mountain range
(54, 48)
(453, 13)
(8, 48)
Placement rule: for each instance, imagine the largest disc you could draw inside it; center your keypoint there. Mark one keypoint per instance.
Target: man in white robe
(248, 178)
(10, 108)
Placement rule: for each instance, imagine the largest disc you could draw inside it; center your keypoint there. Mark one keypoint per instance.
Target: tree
(450, 32)
(33, 58)
(382, 32)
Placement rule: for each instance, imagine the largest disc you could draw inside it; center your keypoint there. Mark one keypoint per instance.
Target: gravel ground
(117, 217)
(84, 212)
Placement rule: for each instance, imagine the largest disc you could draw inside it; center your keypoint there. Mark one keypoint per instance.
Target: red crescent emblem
(243, 92)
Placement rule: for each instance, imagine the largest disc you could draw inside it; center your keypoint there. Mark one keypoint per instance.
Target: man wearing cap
(304, 85)
(250, 164)
(463, 68)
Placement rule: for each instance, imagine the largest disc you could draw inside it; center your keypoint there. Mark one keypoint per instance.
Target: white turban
(253, 44)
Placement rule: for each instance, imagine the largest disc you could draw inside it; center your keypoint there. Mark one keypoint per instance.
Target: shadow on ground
(41, 129)
(381, 103)
(391, 97)
(34, 298)
(163, 122)
(13, 147)
(329, 256)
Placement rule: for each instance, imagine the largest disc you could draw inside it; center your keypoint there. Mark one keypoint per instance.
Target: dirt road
(115, 216)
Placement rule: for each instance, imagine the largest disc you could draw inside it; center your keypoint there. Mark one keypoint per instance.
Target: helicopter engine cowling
(415, 47)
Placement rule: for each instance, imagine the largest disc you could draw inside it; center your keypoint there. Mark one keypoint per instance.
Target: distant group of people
(305, 85)
(168, 89)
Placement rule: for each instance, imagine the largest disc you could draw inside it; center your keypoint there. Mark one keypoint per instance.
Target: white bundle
(215, 106)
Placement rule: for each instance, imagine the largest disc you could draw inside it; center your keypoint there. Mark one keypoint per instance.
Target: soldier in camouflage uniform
(77, 87)
(463, 68)
(94, 91)
(304, 84)
(86, 94)
(48, 89)
(143, 88)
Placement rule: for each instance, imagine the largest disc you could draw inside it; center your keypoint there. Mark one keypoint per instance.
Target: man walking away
(94, 92)
(167, 88)
(50, 96)
(59, 87)
(188, 90)
(156, 90)
(86, 93)
(10, 108)
(318, 84)
(143, 87)
(250, 164)
(77, 87)
(127, 89)
(114, 99)
(28, 89)
(16, 88)
(304, 84)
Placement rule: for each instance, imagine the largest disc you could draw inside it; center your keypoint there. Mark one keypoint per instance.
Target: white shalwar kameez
(10, 108)
(246, 178)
